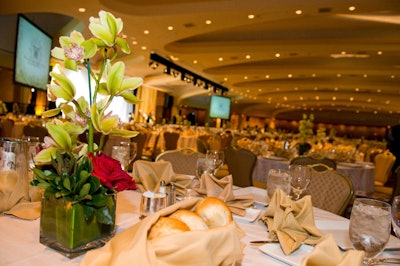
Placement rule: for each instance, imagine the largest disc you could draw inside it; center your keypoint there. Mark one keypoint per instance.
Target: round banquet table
(362, 176)
(20, 238)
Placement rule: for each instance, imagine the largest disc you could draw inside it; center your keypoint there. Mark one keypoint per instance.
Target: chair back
(35, 131)
(383, 167)
(184, 161)
(202, 147)
(314, 160)
(329, 189)
(241, 163)
(140, 140)
(6, 128)
(171, 140)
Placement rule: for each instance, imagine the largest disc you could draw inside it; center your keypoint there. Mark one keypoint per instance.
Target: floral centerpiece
(305, 133)
(79, 181)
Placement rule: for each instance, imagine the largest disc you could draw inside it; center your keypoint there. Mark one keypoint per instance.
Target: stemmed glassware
(204, 165)
(125, 153)
(217, 159)
(396, 215)
(370, 222)
(300, 178)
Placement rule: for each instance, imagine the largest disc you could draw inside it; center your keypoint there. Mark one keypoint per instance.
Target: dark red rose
(110, 173)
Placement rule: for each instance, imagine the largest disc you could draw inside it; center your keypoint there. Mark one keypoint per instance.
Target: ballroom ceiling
(337, 59)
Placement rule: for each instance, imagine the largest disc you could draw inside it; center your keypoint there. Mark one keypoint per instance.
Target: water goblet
(204, 165)
(132, 147)
(369, 230)
(121, 153)
(217, 158)
(396, 215)
(278, 178)
(300, 177)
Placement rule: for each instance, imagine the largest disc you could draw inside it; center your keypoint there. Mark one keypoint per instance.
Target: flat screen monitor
(32, 55)
(220, 107)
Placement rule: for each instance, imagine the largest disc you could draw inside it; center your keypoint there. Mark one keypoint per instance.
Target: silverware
(385, 261)
(262, 242)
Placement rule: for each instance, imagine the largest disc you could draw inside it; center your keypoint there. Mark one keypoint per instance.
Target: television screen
(220, 107)
(32, 55)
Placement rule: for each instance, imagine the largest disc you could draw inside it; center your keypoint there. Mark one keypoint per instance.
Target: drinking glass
(132, 146)
(204, 165)
(396, 215)
(300, 177)
(217, 159)
(278, 178)
(370, 227)
(121, 153)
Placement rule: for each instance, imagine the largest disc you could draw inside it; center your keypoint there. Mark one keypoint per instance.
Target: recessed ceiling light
(134, 42)
(267, 76)
(170, 27)
(379, 53)
(352, 8)
(251, 16)
(208, 22)
(144, 48)
(248, 56)
(194, 61)
(299, 12)
(277, 55)
(82, 9)
(220, 59)
(146, 32)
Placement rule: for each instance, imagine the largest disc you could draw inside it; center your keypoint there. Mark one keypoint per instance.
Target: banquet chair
(383, 167)
(201, 146)
(35, 131)
(184, 161)
(140, 140)
(6, 128)
(329, 189)
(171, 140)
(241, 163)
(313, 159)
(150, 153)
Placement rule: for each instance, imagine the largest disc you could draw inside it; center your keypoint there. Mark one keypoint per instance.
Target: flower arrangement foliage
(306, 127)
(67, 167)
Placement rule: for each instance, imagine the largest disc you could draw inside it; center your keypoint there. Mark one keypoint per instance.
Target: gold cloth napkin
(327, 253)
(291, 222)
(148, 175)
(217, 246)
(17, 197)
(211, 186)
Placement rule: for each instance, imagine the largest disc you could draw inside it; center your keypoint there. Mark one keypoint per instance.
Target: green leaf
(67, 184)
(84, 190)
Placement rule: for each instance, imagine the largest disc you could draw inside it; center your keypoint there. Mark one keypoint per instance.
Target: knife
(262, 242)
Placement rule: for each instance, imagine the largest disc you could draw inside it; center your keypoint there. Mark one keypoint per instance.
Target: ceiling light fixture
(187, 75)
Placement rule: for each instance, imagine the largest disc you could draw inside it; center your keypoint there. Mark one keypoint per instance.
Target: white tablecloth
(20, 245)
(361, 176)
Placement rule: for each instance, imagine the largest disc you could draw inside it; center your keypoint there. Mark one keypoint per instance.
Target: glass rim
(372, 202)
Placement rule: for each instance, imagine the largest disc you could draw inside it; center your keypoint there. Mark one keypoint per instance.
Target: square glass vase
(64, 228)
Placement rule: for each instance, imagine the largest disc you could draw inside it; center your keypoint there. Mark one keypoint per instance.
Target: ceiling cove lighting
(186, 75)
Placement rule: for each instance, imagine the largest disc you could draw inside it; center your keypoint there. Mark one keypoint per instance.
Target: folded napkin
(17, 197)
(291, 222)
(148, 175)
(327, 253)
(217, 246)
(211, 186)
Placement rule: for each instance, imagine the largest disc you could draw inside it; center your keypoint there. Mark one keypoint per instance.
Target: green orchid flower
(116, 85)
(107, 28)
(62, 87)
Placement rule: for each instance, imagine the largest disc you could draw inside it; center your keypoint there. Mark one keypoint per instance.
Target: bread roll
(167, 226)
(214, 212)
(191, 219)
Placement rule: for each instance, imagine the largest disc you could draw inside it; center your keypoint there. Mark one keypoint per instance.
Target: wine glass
(300, 177)
(217, 159)
(396, 215)
(370, 222)
(121, 153)
(132, 148)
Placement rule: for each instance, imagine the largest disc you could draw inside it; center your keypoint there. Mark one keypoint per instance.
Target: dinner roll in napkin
(211, 186)
(17, 197)
(291, 222)
(327, 253)
(216, 246)
(148, 175)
